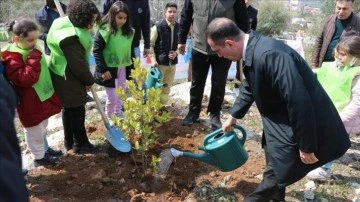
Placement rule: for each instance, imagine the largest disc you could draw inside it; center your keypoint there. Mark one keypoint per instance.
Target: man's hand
(308, 158)
(106, 75)
(146, 52)
(227, 126)
(181, 48)
(172, 55)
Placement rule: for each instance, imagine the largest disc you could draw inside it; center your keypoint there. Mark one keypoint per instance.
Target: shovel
(114, 135)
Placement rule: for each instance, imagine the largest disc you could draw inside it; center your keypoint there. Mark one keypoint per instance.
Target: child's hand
(35, 54)
(172, 55)
(106, 75)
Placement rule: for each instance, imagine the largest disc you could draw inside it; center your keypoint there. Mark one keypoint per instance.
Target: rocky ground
(98, 177)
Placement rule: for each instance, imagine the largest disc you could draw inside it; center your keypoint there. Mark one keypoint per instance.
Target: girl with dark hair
(70, 43)
(112, 52)
(27, 70)
(341, 81)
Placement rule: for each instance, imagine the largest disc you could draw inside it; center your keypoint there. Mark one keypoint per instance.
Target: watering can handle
(243, 138)
(220, 130)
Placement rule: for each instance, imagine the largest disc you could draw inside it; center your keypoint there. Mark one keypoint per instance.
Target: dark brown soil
(98, 177)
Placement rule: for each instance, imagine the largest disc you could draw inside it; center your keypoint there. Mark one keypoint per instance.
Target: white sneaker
(319, 174)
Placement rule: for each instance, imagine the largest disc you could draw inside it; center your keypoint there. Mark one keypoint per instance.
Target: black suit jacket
(12, 183)
(296, 112)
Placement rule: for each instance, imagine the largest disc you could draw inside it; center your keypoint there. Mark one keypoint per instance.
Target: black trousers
(74, 127)
(268, 189)
(200, 68)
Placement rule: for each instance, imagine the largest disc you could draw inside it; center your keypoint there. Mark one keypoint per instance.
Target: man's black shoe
(53, 152)
(89, 98)
(86, 148)
(215, 121)
(190, 119)
(46, 160)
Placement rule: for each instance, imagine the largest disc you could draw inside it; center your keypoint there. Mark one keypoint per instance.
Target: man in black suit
(302, 128)
(12, 183)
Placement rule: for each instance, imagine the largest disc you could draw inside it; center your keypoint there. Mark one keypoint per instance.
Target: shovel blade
(116, 138)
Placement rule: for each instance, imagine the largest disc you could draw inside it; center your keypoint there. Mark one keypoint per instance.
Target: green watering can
(225, 151)
(153, 79)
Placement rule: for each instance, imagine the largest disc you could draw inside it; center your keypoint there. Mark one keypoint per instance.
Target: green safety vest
(337, 82)
(63, 28)
(43, 87)
(117, 52)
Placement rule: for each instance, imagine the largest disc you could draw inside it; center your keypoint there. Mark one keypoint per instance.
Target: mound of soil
(99, 177)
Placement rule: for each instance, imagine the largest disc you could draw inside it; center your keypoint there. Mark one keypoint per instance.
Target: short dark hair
(171, 4)
(50, 3)
(221, 29)
(346, 0)
(22, 27)
(81, 12)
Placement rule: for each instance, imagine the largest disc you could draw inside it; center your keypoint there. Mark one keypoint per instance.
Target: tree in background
(272, 18)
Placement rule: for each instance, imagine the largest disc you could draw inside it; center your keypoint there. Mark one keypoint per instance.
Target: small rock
(227, 179)
(100, 186)
(356, 200)
(118, 163)
(204, 191)
(75, 176)
(92, 164)
(152, 194)
(323, 200)
(310, 185)
(309, 195)
(68, 182)
(188, 135)
(99, 175)
(122, 181)
(212, 174)
(259, 177)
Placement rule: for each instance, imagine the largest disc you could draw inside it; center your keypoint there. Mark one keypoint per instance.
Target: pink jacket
(350, 115)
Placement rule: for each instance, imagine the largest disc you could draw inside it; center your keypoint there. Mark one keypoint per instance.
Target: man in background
(198, 14)
(335, 26)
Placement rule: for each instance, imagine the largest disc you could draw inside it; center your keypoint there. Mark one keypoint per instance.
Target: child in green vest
(341, 81)
(112, 52)
(26, 69)
(70, 43)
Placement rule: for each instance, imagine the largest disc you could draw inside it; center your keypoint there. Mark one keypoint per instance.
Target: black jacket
(12, 183)
(252, 15)
(45, 17)
(297, 113)
(163, 43)
(101, 67)
(139, 16)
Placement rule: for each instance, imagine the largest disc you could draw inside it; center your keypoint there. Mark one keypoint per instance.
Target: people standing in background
(302, 129)
(70, 42)
(335, 26)
(115, 33)
(140, 16)
(341, 81)
(198, 14)
(163, 46)
(45, 16)
(26, 68)
(252, 15)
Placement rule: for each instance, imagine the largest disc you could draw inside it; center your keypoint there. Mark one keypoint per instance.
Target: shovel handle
(59, 8)
(101, 110)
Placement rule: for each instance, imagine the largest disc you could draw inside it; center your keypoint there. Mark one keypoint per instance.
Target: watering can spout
(204, 157)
